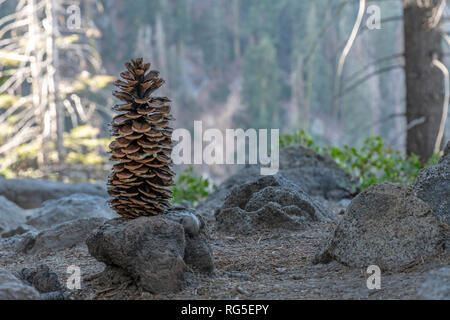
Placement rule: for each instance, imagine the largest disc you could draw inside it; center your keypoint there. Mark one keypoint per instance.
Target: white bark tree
(37, 41)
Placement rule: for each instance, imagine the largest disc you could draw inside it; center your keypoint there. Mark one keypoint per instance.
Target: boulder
(271, 202)
(432, 185)
(76, 206)
(317, 175)
(12, 217)
(58, 237)
(12, 288)
(155, 251)
(436, 285)
(31, 193)
(385, 225)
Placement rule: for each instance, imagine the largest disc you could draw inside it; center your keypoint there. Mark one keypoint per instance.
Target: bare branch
(351, 39)
(12, 26)
(438, 64)
(21, 137)
(375, 62)
(367, 77)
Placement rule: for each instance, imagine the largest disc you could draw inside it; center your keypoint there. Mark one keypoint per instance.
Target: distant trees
(262, 63)
(44, 65)
(261, 87)
(424, 79)
(29, 49)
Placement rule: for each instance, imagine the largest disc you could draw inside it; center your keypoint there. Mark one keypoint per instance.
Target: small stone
(42, 278)
(241, 290)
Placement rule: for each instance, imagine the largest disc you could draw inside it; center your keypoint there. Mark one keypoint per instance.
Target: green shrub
(299, 137)
(191, 187)
(372, 163)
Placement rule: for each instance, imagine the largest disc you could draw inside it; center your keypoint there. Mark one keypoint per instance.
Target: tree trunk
(36, 78)
(424, 90)
(52, 62)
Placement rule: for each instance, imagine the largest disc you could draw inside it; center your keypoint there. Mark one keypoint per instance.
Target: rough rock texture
(270, 202)
(69, 208)
(432, 185)
(197, 254)
(61, 236)
(214, 201)
(436, 285)
(192, 223)
(12, 288)
(154, 251)
(11, 216)
(446, 156)
(385, 225)
(316, 174)
(41, 278)
(31, 193)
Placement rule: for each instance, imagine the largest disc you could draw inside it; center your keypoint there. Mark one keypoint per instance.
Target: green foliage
(6, 100)
(372, 163)
(86, 156)
(299, 137)
(190, 187)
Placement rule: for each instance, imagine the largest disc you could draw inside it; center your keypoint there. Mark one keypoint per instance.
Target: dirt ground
(275, 265)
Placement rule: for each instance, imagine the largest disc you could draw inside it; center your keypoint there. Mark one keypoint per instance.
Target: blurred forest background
(230, 63)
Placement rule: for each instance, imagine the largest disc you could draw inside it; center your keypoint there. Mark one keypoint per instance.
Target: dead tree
(37, 46)
(424, 81)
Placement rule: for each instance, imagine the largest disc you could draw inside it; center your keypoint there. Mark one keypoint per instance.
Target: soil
(272, 265)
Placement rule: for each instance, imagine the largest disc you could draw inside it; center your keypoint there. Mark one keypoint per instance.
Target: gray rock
(154, 251)
(12, 288)
(316, 174)
(41, 278)
(436, 285)
(432, 185)
(271, 216)
(192, 223)
(18, 231)
(446, 156)
(270, 202)
(31, 193)
(198, 254)
(214, 201)
(150, 249)
(11, 217)
(285, 197)
(69, 208)
(385, 225)
(61, 236)
(55, 295)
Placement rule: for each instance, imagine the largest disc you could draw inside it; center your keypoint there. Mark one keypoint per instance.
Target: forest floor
(275, 265)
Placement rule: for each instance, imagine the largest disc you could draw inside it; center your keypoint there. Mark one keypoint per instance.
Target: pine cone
(140, 179)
